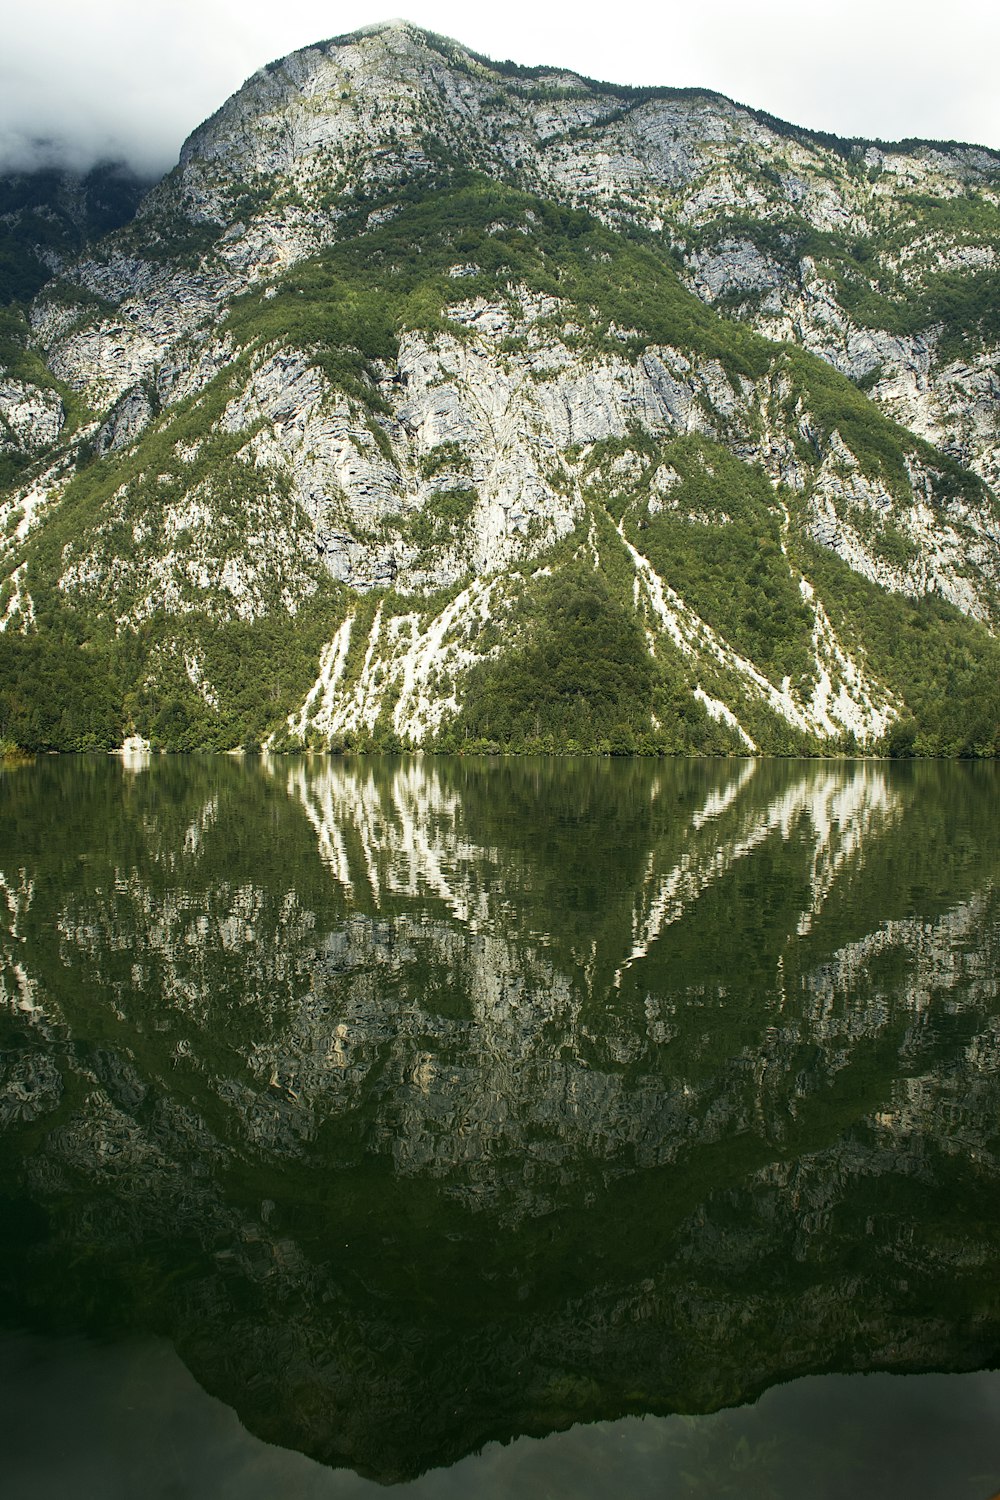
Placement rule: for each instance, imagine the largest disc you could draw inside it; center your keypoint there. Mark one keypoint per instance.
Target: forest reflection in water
(425, 1102)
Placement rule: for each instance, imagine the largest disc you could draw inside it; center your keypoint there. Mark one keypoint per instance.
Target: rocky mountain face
(421, 379)
(437, 1129)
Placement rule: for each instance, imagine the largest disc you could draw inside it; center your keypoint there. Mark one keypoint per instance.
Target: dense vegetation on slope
(350, 303)
(62, 688)
(582, 672)
(946, 672)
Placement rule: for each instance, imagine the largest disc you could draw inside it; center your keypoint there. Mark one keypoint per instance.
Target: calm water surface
(566, 1128)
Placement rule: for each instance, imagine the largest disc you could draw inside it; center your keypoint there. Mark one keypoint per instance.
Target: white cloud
(116, 78)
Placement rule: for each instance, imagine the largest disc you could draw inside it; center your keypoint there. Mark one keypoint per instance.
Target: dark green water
(415, 1105)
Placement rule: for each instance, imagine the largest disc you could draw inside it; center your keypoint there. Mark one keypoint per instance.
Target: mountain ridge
(509, 67)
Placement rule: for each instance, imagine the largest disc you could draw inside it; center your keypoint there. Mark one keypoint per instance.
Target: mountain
(435, 401)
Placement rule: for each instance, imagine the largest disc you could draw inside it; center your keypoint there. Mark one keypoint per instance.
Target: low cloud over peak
(114, 80)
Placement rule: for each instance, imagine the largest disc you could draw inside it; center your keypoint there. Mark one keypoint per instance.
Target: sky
(132, 78)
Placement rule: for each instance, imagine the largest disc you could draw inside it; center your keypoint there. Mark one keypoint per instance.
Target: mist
(113, 80)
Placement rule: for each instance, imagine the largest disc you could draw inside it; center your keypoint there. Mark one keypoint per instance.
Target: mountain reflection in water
(423, 1102)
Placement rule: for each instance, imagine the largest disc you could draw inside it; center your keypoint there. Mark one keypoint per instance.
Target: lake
(559, 1127)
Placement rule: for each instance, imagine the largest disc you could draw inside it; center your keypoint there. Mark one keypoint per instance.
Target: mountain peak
(396, 27)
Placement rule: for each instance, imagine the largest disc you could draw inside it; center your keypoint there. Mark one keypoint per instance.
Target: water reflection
(423, 1102)
(109, 1422)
